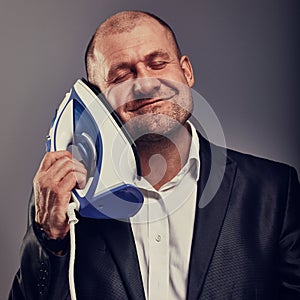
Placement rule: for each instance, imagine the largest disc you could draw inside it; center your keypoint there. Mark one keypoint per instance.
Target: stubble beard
(154, 126)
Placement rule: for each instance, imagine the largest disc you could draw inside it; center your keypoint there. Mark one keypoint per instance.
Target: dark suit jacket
(246, 242)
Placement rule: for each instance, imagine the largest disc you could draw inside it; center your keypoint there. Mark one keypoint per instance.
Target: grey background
(245, 56)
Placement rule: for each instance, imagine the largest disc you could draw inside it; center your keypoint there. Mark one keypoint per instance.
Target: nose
(145, 86)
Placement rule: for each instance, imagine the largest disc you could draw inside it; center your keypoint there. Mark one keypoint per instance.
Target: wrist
(56, 244)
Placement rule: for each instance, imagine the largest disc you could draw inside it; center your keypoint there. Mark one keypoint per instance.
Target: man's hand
(57, 175)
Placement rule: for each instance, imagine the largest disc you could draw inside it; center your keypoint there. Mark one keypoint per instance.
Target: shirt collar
(195, 150)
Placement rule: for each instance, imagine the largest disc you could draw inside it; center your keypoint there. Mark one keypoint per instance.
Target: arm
(289, 243)
(43, 274)
(34, 279)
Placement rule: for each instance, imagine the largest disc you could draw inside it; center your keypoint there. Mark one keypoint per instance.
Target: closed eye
(158, 65)
(123, 76)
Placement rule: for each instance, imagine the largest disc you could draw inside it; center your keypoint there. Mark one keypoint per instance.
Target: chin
(154, 127)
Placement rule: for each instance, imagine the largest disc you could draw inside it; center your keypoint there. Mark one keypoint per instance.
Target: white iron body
(85, 125)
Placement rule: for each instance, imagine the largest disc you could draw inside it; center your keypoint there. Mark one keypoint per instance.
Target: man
(244, 244)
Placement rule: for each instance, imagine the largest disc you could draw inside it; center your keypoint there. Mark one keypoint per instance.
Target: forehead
(146, 37)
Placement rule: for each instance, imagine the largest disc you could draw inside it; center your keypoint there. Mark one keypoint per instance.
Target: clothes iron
(86, 125)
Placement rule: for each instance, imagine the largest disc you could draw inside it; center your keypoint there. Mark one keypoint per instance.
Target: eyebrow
(116, 67)
(157, 53)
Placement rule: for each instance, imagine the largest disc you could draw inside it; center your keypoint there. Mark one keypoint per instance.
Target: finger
(51, 157)
(81, 180)
(68, 183)
(64, 166)
(80, 167)
(72, 180)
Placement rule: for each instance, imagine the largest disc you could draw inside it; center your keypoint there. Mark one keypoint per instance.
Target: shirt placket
(158, 258)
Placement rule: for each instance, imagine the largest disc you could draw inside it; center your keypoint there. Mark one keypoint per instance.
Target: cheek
(177, 74)
(119, 95)
(122, 114)
(183, 100)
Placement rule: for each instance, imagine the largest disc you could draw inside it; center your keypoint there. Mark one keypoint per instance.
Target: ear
(187, 70)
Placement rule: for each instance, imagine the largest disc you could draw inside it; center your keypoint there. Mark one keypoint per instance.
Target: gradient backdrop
(246, 60)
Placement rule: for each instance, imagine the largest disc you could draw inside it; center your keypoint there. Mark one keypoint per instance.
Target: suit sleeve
(42, 275)
(289, 242)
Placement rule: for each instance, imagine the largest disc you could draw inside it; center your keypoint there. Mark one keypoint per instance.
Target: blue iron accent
(120, 202)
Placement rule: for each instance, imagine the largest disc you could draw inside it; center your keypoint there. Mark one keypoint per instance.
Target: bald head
(119, 23)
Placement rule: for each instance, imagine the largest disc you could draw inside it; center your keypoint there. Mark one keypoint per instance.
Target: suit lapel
(209, 219)
(120, 241)
(208, 222)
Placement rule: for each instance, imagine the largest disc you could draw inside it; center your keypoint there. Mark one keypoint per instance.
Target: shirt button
(158, 238)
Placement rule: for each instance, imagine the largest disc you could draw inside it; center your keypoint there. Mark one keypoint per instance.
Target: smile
(140, 103)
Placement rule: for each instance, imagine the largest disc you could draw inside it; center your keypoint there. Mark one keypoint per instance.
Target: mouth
(138, 104)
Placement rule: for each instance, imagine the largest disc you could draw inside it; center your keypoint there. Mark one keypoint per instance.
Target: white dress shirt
(163, 230)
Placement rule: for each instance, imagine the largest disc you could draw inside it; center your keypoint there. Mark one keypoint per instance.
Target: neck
(162, 157)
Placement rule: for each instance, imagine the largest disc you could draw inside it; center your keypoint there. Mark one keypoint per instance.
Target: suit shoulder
(260, 167)
(249, 166)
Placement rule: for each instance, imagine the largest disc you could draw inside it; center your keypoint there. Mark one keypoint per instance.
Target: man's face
(142, 78)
